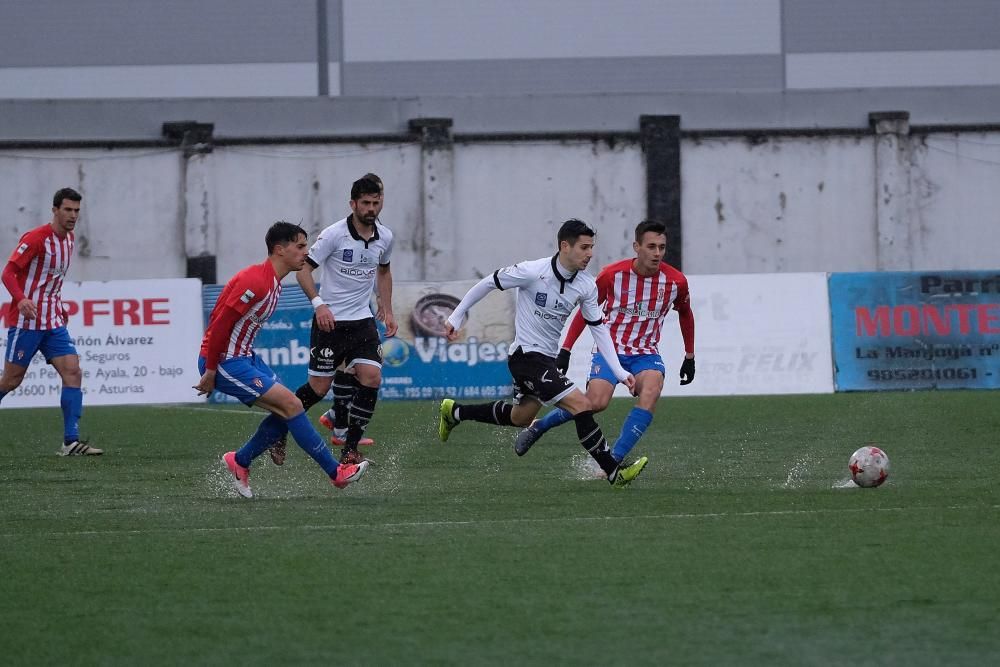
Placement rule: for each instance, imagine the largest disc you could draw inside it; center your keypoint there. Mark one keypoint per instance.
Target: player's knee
(11, 381)
(521, 421)
(72, 377)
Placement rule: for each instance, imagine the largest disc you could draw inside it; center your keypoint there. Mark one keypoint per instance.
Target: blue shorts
(633, 363)
(244, 378)
(23, 344)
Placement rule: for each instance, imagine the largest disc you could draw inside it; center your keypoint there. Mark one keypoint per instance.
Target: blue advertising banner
(926, 330)
(417, 363)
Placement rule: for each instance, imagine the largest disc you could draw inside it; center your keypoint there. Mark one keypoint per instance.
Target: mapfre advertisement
(137, 341)
(927, 330)
(754, 334)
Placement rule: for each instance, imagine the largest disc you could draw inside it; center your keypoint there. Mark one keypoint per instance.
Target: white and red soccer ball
(869, 466)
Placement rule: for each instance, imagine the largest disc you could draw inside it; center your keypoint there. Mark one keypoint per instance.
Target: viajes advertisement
(137, 340)
(418, 362)
(920, 330)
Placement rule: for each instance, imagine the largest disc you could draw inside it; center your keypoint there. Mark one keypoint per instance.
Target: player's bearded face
(366, 208)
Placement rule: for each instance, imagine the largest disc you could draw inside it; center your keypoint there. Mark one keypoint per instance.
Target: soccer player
(636, 294)
(354, 253)
(36, 317)
(548, 289)
(229, 364)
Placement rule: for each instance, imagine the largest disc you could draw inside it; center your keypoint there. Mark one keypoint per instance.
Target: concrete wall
(778, 204)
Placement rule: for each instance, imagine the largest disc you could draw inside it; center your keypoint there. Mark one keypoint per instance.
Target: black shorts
(350, 341)
(536, 376)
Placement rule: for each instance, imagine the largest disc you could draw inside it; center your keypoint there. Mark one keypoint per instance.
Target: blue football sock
(2, 394)
(635, 425)
(71, 402)
(312, 443)
(553, 419)
(269, 432)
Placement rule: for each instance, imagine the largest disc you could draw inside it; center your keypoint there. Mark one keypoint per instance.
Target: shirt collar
(354, 232)
(556, 269)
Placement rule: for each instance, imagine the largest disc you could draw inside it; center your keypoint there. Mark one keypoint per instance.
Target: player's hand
(27, 309)
(324, 318)
(450, 332)
(390, 323)
(687, 370)
(562, 361)
(629, 382)
(206, 384)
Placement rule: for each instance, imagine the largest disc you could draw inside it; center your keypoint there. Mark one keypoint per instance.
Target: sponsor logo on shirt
(247, 296)
(348, 255)
(21, 248)
(541, 298)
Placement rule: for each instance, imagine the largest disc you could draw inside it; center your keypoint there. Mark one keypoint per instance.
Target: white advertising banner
(754, 334)
(137, 340)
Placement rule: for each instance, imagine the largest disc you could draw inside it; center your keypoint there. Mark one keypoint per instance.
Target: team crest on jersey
(660, 292)
(247, 296)
(257, 382)
(21, 248)
(541, 298)
(20, 355)
(348, 255)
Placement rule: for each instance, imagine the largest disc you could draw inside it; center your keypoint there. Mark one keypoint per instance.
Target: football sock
(2, 394)
(308, 396)
(344, 386)
(593, 441)
(312, 443)
(553, 419)
(71, 402)
(271, 429)
(360, 413)
(635, 425)
(497, 412)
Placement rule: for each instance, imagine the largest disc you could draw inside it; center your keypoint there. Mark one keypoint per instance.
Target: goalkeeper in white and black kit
(548, 289)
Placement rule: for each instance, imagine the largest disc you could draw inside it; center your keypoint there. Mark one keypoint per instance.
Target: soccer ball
(869, 466)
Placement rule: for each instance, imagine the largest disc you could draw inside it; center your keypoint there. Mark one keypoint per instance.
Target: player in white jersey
(36, 317)
(548, 289)
(636, 293)
(354, 254)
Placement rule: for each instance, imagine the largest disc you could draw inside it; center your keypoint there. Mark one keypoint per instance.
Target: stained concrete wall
(782, 204)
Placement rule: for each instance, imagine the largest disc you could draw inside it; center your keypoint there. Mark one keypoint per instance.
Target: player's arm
(304, 276)
(240, 300)
(383, 287)
(476, 294)
(594, 318)
(685, 318)
(13, 278)
(577, 324)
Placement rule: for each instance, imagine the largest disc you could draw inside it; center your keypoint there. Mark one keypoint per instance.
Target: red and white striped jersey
(247, 301)
(39, 263)
(635, 306)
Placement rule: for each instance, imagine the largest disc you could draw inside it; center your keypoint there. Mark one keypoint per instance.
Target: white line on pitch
(449, 524)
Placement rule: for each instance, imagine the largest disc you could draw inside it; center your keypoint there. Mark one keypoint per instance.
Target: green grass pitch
(742, 542)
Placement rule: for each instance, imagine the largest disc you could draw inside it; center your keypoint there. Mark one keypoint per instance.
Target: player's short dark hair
(364, 186)
(65, 193)
(282, 233)
(375, 177)
(573, 229)
(654, 226)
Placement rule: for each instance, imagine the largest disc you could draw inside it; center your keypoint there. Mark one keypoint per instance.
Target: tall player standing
(228, 363)
(636, 294)
(548, 289)
(36, 317)
(354, 253)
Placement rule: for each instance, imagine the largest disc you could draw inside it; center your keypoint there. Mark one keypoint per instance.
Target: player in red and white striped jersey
(36, 317)
(636, 294)
(228, 363)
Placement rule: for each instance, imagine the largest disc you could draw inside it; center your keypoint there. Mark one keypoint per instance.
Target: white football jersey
(349, 266)
(546, 295)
